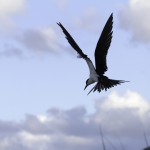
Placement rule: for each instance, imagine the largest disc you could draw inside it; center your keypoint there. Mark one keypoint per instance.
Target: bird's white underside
(93, 75)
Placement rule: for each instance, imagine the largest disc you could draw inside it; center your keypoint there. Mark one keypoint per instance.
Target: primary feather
(103, 46)
(72, 41)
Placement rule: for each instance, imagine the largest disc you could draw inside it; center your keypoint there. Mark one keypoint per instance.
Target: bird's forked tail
(105, 83)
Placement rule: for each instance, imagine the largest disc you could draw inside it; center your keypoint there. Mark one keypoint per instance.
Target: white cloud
(32, 41)
(8, 8)
(39, 40)
(135, 18)
(130, 100)
(125, 115)
(120, 117)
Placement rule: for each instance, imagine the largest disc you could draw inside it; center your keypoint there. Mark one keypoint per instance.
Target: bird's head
(88, 82)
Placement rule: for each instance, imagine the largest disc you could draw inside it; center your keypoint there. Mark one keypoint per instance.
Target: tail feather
(106, 83)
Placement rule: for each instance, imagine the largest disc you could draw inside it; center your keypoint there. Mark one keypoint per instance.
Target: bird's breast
(94, 77)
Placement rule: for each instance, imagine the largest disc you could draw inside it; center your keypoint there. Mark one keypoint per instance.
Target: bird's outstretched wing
(103, 46)
(72, 41)
(79, 51)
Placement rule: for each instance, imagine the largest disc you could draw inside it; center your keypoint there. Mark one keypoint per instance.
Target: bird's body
(93, 75)
(97, 72)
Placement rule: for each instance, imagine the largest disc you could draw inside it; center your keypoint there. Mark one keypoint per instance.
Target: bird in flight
(97, 72)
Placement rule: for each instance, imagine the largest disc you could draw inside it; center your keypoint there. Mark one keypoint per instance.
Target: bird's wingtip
(123, 81)
(58, 23)
(111, 15)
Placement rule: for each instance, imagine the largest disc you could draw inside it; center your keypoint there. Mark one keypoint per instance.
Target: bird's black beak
(85, 86)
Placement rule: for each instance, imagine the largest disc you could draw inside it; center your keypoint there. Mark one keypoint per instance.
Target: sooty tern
(97, 73)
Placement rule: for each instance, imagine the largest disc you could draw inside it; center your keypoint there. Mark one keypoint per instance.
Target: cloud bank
(135, 18)
(122, 119)
(39, 40)
(17, 42)
(32, 41)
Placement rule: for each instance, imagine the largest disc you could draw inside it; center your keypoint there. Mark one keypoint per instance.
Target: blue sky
(41, 77)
